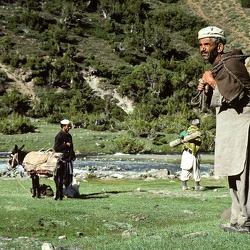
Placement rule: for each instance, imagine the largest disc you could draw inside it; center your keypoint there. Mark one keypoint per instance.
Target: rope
(199, 100)
(21, 185)
(200, 97)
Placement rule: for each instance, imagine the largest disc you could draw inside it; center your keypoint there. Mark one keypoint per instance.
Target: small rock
(47, 246)
(79, 234)
(62, 237)
(128, 233)
(197, 234)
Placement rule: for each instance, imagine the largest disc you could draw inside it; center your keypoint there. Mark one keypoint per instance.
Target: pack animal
(16, 157)
(16, 160)
(34, 163)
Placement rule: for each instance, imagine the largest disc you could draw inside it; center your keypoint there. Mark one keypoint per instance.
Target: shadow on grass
(213, 187)
(100, 195)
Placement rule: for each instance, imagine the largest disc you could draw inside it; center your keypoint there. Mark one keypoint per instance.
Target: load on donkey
(35, 163)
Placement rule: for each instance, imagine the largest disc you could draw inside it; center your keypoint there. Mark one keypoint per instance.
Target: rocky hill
(227, 14)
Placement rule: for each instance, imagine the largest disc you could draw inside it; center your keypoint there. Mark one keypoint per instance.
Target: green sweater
(195, 144)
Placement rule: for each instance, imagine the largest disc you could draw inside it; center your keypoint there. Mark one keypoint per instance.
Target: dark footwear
(235, 228)
(199, 188)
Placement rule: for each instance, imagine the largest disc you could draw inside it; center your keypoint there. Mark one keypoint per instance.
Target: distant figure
(189, 160)
(64, 173)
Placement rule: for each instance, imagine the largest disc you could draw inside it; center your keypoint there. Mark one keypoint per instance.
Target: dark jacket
(231, 75)
(60, 146)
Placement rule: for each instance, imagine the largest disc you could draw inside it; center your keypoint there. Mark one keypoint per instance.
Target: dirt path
(94, 82)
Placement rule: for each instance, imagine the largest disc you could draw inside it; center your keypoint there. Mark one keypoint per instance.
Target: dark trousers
(35, 185)
(63, 176)
(58, 179)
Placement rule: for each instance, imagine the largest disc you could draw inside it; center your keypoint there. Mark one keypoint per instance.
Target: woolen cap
(65, 122)
(195, 122)
(211, 31)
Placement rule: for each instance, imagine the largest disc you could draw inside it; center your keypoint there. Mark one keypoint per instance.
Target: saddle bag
(42, 162)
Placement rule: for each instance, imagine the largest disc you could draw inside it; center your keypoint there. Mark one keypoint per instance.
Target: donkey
(16, 160)
(16, 157)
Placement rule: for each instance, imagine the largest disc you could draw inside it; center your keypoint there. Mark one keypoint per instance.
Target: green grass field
(85, 141)
(155, 214)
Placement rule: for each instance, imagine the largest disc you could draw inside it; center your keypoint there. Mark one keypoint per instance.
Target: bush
(208, 127)
(128, 145)
(16, 124)
(14, 101)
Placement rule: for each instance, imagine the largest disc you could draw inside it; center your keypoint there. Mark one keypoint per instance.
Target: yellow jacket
(195, 144)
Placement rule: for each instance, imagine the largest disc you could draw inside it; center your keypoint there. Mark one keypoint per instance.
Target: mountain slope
(228, 15)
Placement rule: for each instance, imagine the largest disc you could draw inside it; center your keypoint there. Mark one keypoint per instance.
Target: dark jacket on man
(60, 146)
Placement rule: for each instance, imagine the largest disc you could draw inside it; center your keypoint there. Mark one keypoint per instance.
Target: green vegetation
(128, 44)
(88, 141)
(145, 50)
(158, 212)
(245, 3)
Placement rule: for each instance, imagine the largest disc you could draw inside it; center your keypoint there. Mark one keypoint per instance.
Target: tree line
(148, 65)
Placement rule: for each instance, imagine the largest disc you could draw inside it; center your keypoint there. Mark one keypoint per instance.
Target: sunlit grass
(157, 213)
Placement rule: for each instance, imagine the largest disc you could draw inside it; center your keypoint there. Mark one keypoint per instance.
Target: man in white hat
(64, 144)
(228, 83)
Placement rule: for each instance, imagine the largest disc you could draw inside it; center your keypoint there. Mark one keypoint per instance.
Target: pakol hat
(65, 122)
(211, 31)
(195, 122)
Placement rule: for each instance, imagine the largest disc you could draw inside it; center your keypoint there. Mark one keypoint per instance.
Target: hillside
(93, 60)
(227, 14)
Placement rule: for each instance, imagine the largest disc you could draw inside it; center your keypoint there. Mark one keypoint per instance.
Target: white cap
(65, 122)
(211, 31)
(195, 122)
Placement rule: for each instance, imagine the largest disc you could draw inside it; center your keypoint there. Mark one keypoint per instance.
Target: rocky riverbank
(121, 166)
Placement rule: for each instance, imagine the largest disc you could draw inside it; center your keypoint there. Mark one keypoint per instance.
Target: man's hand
(208, 79)
(202, 85)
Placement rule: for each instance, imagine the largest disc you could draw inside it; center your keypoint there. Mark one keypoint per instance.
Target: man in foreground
(228, 82)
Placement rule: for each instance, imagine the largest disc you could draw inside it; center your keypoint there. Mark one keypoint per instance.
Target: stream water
(125, 163)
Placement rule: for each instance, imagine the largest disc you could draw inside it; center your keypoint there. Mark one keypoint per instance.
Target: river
(128, 163)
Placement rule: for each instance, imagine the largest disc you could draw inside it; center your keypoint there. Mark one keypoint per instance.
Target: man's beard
(212, 56)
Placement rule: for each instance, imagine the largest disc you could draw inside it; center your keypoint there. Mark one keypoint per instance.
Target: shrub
(128, 145)
(14, 101)
(39, 81)
(16, 124)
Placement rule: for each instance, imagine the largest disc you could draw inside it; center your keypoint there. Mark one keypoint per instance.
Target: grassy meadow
(118, 214)
(111, 214)
(85, 141)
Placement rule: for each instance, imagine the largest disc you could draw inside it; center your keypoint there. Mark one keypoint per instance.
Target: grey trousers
(240, 194)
